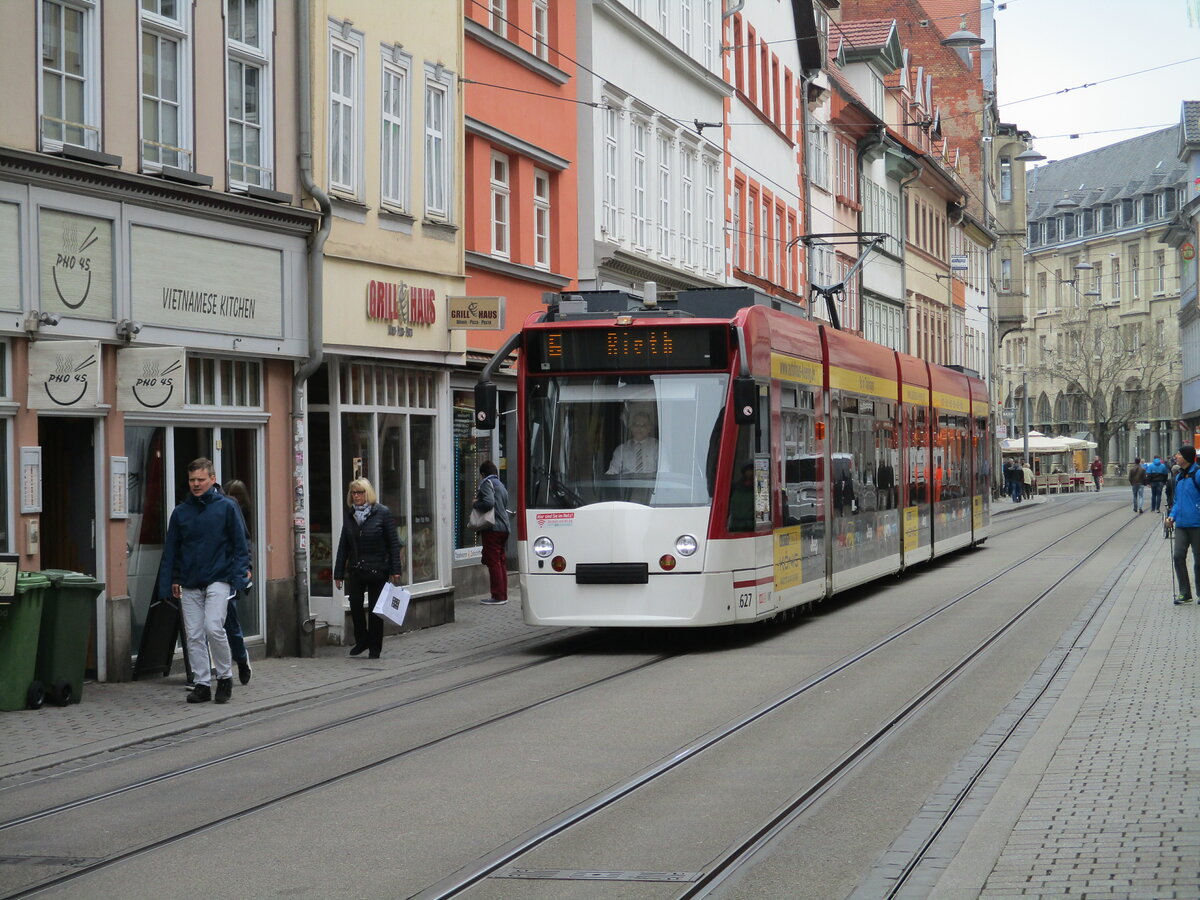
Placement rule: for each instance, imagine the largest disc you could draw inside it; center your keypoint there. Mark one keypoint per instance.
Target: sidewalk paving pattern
(1110, 807)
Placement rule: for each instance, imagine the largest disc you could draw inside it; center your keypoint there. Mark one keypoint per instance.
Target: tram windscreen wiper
(563, 494)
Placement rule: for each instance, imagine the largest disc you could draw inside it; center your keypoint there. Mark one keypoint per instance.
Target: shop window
(224, 382)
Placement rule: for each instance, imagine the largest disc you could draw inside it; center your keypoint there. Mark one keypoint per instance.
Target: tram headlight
(685, 545)
(543, 547)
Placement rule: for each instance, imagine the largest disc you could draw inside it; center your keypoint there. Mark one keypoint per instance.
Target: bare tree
(1107, 366)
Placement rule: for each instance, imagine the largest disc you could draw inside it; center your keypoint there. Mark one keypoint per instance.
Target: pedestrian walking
(1013, 486)
(235, 490)
(1027, 480)
(1137, 483)
(205, 560)
(492, 495)
(1097, 469)
(1185, 518)
(1157, 474)
(368, 555)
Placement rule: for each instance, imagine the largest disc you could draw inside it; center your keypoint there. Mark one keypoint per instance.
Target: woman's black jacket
(370, 551)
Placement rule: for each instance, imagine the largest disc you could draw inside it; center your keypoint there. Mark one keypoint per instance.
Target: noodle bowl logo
(72, 269)
(153, 388)
(69, 379)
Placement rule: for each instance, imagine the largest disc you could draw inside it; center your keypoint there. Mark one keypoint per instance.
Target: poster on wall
(75, 264)
(64, 375)
(151, 379)
(205, 284)
(10, 256)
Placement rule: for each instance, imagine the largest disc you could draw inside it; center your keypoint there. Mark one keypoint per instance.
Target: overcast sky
(1046, 46)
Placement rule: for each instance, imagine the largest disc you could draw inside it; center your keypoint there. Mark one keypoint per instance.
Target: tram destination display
(624, 348)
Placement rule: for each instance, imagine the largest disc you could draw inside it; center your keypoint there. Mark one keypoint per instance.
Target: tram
(718, 459)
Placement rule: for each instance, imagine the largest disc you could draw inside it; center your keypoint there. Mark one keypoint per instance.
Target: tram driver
(639, 454)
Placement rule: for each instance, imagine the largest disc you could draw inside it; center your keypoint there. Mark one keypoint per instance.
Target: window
(1006, 275)
(687, 207)
(439, 149)
(70, 74)
(638, 197)
(541, 219)
(818, 161)
(345, 109)
(712, 249)
(395, 118)
(1116, 279)
(1005, 179)
(610, 162)
(1135, 272)
(248, 92)
(736, 227)
(664, 17)
(541, 29)
(498, 17)
(664, 196)
(500, 205)
(751, 232)
(709, 32)
(685, 25)
(776, 257)
(763, 236)
(1160, 271)
(224, 382)
(166, 90)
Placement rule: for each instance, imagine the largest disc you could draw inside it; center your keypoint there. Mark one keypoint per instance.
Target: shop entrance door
(68, 519)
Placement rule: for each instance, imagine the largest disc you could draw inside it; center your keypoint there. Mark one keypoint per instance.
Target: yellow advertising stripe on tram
(951, 403)
(918, 396)
(789, 565)
(788, 368)
(980, 408)
(862, 383)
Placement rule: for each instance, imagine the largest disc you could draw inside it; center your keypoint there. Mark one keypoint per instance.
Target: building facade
(154, 291)
(1100, 352)
(386, 134)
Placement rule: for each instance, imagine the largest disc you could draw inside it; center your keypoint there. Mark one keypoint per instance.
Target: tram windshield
(648, 439)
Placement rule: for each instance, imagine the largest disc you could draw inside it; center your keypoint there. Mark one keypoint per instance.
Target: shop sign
(10, 256)
(475, 313)
(186, 281)
(64, 375)
(151, 379)
(75, 264)
(401, 306)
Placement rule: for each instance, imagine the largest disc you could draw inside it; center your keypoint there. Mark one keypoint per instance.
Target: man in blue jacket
(205, 561)
(1185, 515)
(1157, 474)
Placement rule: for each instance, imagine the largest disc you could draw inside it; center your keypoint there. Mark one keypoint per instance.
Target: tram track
(743, 851)
(508, 854)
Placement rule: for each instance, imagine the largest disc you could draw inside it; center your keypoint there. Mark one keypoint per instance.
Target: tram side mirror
(485, 405)
(745, 400)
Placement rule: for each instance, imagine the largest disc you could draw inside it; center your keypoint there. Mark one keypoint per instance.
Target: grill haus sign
(401, 306)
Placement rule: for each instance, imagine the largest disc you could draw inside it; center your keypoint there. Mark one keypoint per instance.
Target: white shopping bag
(393, 603)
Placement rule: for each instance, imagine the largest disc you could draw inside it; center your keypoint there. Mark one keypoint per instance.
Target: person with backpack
(1156, 476)
(1185, 517)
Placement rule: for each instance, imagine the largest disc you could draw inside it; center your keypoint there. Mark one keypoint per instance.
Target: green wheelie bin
(20, 622)
(66, 626)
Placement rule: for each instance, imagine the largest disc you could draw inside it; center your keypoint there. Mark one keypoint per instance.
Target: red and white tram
(707, 462)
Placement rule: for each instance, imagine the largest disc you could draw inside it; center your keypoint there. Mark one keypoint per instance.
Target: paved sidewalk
(1103, 800)
(113, 715)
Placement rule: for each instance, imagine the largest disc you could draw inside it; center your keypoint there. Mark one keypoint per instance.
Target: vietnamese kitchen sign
(75, 264)
(187, 281)
(64, 375)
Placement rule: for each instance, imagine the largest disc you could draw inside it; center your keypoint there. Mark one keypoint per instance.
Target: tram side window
(983, 463)
(950, 473)
(918, 455)
(802, 488)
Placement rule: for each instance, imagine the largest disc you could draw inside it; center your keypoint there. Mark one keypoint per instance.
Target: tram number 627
(746, 600)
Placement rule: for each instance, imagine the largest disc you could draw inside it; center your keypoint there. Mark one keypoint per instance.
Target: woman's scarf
(361, 511)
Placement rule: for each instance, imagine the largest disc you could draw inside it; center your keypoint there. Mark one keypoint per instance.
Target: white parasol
(1038, 443)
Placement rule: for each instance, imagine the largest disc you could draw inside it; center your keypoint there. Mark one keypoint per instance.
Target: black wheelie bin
(66, 626)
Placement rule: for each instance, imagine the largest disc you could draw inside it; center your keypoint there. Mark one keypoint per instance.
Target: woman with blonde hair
(368, 555)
